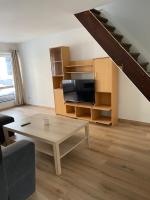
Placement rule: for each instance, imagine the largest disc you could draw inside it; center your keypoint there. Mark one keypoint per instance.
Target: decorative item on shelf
(46, 121)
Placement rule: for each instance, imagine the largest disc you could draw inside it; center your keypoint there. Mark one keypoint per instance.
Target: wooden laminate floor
(116, 167)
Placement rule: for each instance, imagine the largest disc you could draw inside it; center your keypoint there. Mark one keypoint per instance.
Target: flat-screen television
(79, 90)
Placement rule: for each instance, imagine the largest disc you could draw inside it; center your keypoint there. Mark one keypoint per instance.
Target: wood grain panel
(103, 74)
(59, 101)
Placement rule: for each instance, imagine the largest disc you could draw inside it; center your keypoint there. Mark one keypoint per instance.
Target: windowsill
(6, 100)
(6, 105)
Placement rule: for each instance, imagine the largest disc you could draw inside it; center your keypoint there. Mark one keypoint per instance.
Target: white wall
(36, 62)
(131, 18)
(37, 72)
(5, 47)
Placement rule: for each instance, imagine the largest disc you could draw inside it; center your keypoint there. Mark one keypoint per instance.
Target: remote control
(26, 124)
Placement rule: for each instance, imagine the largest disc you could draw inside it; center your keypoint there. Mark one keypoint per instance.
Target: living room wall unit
(105, 73)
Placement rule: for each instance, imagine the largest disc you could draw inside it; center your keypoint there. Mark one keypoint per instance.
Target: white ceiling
(22, 20)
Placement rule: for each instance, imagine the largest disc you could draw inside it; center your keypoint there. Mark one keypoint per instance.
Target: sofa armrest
(3, 182)
(19, 160)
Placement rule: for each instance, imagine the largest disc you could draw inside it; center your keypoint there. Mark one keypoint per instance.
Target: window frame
(3, 54)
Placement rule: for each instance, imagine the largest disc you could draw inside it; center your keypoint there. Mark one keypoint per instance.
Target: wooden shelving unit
(71, 110)
(103, 120)
(57, 81)
(101, 116)
(103, 70)
(60, 57)
(78, 68)
(106, 98)
(83, 113)
(78, 72)
(102, 107)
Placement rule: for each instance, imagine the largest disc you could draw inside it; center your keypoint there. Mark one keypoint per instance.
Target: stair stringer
(118, 54)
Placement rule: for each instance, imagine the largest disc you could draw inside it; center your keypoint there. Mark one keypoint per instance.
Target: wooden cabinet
(60, 107)
(105, 73)
(106, 86)
(59, 59)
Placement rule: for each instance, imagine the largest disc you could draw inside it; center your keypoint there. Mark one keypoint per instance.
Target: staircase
(120, 51)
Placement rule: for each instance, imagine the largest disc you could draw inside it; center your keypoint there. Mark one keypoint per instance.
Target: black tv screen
(79, 90)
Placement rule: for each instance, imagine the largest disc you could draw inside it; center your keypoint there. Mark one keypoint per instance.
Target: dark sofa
(4, 119)
(17, 171)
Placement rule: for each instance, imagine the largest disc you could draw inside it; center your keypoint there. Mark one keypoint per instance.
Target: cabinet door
(55, 54)
(59, 102)
(56, 61)
(103, 74)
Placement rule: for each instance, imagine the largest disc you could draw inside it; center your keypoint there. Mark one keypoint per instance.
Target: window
(7, 90)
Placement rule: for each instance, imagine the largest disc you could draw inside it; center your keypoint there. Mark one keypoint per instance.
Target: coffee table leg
(6, 136)
(57, 159)
(87, 134)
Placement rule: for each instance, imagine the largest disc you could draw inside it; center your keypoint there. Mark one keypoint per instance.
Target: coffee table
(57, 139)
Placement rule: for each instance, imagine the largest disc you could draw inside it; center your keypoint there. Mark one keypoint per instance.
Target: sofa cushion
(0, 155)
(3, 182)
(4, 119)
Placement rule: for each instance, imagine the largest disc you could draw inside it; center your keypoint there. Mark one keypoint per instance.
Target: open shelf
(57, 61)
(57, 68)
(101, 116)
(57, 82)
(61, 75)
(67, 76)
(84, 105)
(70, 110)
(85, 117)
(103, 100)
(71, 143)
(65, 147)
(55, 54)
(81, 65)
(70, 103)
(102, 107)
(83, 113)
(79, 69)
(103, 120)
(78, 72)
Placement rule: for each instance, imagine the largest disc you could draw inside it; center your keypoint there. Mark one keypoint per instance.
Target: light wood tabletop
(52, 135)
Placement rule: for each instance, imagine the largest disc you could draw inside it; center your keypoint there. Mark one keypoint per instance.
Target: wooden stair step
(135, 55)
(144, 65)
(100, 18)
(126, 46)
(94, 11)
(103, 19)
(148, 73)
(109, 27)
(118, 36)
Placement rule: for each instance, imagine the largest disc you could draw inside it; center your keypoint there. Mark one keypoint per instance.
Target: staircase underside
(119, 54)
